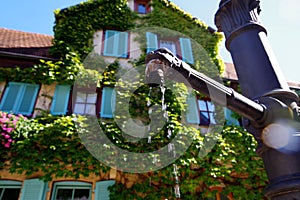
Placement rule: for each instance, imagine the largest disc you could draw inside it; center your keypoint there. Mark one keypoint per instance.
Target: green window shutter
(109, 43)
(152, 43)
(27, 99)
(192, 115)
(230, 120)
(60, 100)
(11, 97)
(107, 103)
(33, 189)
(122, 45)
(101, 190)
(186, 50)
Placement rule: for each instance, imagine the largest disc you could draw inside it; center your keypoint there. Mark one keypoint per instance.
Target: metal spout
(155, 72)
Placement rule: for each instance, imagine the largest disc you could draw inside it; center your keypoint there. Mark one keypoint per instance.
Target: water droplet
(169, 133)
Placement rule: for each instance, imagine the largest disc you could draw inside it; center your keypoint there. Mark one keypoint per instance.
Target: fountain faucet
(265, 99)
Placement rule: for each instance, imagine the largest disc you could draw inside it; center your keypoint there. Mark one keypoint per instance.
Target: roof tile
(19, 39)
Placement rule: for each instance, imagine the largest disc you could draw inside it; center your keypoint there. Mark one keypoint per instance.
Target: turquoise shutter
(186, 50)
(19, 98)
(107, 103)
(27, 99)
(101, 190)
(152, 43)
(122, 45)
(33, 189)
(116, 44)
(192, 115)
(60, 100)
(229, 119)
(11, 97)
(109, 43)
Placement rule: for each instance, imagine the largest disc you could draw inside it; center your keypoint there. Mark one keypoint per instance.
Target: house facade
(99, 49)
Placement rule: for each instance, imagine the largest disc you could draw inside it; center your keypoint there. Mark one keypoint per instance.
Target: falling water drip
(176, 187)
(154, 159)
(148, 103)
(169, 133)
(149, 112)
(170, 147)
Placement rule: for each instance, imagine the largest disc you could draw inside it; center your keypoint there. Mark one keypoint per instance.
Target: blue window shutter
(109, 43)
(152, 43)
(27, 99)
(107, 103)
(33, 189)
(192, 115)
(19, 98)
(186, 50)
(11, 97)
(101, 190)
(230, 120)
(122, 44)
(60, 100)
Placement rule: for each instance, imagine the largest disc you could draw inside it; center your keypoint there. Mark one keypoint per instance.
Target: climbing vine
(52, 145)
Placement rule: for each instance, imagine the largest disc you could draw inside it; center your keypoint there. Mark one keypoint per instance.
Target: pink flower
(4, 120)
(7, 145)
(7, 136)
(8, 130)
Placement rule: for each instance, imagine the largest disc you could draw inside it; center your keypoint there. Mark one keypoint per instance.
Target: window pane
(81, 194)
(169, 45)
(91, 98)
(212, 118)
(79, 108)
(204, 118)
(142, 8)
(211, 106)
(202, 105)
(90, 109)
(64, 194)
(80, 97)
(10, 194)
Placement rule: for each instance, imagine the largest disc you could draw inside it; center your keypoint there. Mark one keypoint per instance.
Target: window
(72, 190)
(115, 44)
(85, 102)
(200, 111)
(94, 103)
(181, 47)
(19, 98)
(141, 6)
(60, 100)
(10, 190)
(206, 112)
(171, 45)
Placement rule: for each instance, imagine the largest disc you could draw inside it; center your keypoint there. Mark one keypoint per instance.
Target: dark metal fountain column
(262, 81)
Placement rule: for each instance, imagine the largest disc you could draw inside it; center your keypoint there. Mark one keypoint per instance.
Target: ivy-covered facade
(50, 148)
